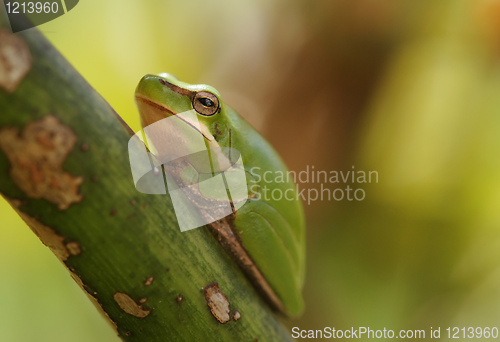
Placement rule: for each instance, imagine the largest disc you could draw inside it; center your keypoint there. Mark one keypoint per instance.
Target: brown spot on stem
(14, 202)
(48, 236)
(74, 247)
(36, 156)
(143, 300)
(15, 60)
(148, 281)
(84, 147)
(217, 302)
(129, 305)
(179, 298)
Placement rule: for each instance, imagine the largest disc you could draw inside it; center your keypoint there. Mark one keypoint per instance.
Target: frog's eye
(205, 103)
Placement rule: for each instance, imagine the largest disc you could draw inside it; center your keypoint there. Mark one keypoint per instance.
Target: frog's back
(272, 221)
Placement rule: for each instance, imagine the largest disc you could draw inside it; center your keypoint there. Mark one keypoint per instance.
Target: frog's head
(160, 96)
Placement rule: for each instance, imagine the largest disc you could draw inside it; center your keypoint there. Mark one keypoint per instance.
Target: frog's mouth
(149, 102)
(152, 111)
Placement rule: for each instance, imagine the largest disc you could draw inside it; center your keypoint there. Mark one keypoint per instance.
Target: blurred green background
(409, 89)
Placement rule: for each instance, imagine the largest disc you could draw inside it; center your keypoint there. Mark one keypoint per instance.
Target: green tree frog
(266, 236)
